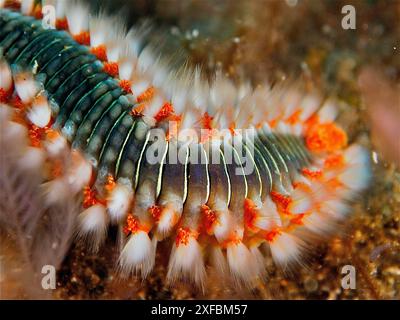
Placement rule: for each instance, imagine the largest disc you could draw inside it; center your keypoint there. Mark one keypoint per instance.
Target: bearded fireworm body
(237, 176)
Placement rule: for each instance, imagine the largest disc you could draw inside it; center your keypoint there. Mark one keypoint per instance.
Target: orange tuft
(232, 128)
(209, 217)
(175, 117)
(111, 68)
(155, 211)
(311, 121)
(206, 121)
(57, 169)
(147, 95)
(274, 122)
(271, 235)
(62, 24)
(17, 103)
(90, 197)
(326, 137)
(132, 224)
(4, 95)
(100, 52)
(37, 12)
(294, 118)
(52, 134)
(311, 174)
(250, 213)
(110, 183)
(165, 112)
(126, 86)
(334, 183)
(12, 4)
(334, 161)
(182, 236)
(35, 135)
(298, 219)
(83, 38)
(281, 200)
(302, 186)
(138, 110)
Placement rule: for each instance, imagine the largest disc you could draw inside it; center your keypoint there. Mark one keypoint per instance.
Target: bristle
(40, 112)
(286, 250)
(259, 262)
(328, 111)
(32, 160)
(77, 14)
(186, 261)
(92, 225)
(119, 201)
(55, 190)
(242, 266)
(168, 218)
(5, 76)
(16, 133)
(26, 86)
(27, 6)
(218, 261)
(138, 255)
(357, 175)
(223, 226)
(55, 144)
(79, 173)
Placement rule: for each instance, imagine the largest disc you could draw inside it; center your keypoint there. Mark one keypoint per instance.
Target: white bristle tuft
(301, 201)
(26, 86)
(27, 6)
(55, 190)
(98, 30)
(285, 249)
(15, 132)
(241, 264)
(5, 75)
(223, 226)
(218, 260)
(319, 223)
(328, 111)
(55, 145)
(357, 175)
(167, 221)
(32, 160)
(309, 105)
(5, 116)
(138, 255)
(77, 14)
(40, 112)
(186, 261)
(119, 201)
(268, 217)
(259, 261)
(337, 209)
(79, 173)
(92, 225)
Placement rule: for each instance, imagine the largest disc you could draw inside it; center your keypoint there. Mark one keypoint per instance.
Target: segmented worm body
(162, 154)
